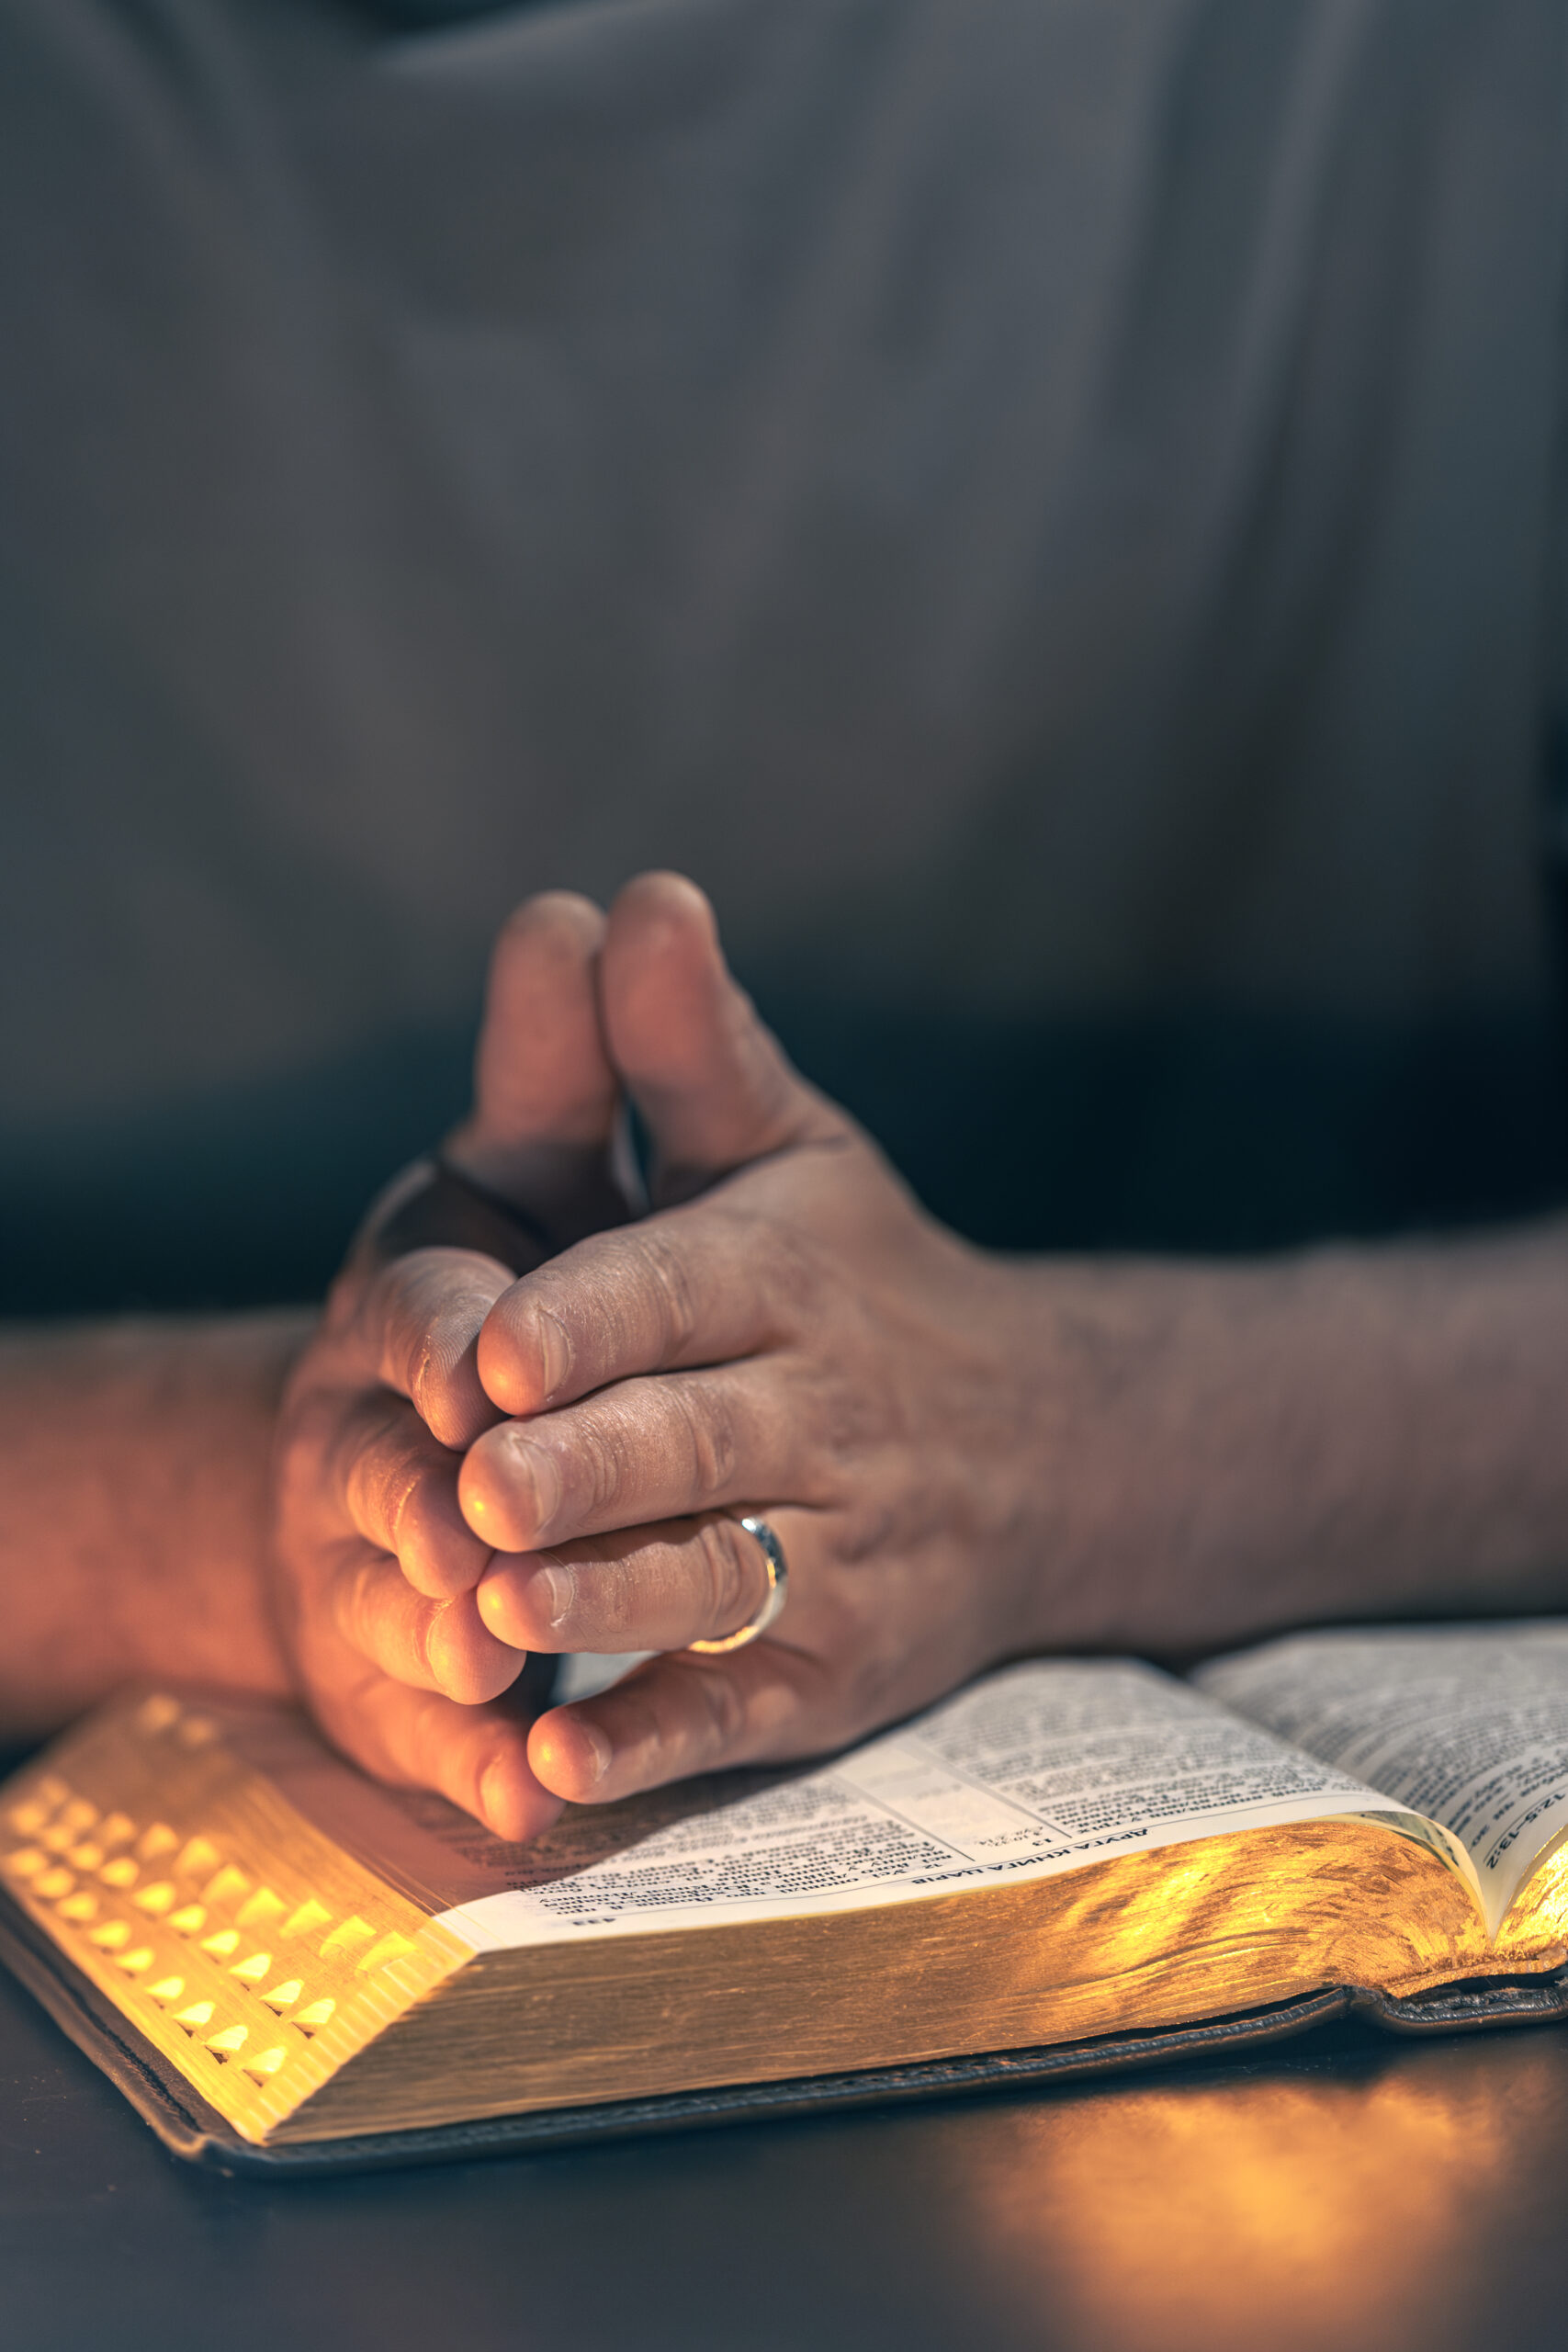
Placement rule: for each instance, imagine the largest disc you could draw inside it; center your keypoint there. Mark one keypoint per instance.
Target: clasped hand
(475, 1465)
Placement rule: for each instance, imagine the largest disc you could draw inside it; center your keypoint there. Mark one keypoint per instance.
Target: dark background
(1197, 1133)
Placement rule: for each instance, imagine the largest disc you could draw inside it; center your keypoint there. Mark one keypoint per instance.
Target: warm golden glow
(194, 1818)
(392, 1947)
(266, 1961)
(348, 1937)
(1543, 1899)
(226, 1886)
(1296, 2211)
(260, 1909)
(306, 1919)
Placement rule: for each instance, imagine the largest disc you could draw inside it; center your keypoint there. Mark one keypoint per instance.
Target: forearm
(1353, 1432)
(134, 1470)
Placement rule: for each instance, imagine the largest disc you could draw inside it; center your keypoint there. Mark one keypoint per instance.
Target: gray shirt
(1046, 507)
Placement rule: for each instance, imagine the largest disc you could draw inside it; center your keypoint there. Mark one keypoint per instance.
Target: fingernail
(598, 1752)
(543, 1474)
(557, 1583)
(554, 1355)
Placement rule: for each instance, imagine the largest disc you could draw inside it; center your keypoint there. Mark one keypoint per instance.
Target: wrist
(1151, 1510)
(134, 1516)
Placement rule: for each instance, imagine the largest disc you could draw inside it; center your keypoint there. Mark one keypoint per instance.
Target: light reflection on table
(1299, 2210)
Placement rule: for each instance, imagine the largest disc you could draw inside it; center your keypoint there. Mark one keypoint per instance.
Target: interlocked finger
(678, 1715)
(418, 1324)
(476, 1756)
(695, 1285)
(648, 1589)
(641, 1452)
(399, 1488)
(428, 1644)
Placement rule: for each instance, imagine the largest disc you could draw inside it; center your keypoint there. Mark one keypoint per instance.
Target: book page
(1040, 1769)
(1467, 1724)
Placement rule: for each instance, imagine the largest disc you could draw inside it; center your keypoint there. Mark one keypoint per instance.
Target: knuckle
(707, 1435)
(596, 1468)
(603, 1466)
(380, 1475)
(791, 1272)
(866, 1532)
(672, 1303)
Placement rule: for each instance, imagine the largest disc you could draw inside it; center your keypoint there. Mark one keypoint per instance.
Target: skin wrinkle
(711, 1439)
(373, 1481)
(674, 1306)
(403, 1498)
(597, 1458)
(426, 1306)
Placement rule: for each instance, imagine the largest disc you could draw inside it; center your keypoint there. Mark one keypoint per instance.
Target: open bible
(1070, 1862)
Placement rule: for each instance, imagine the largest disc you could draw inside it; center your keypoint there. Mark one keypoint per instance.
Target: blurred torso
(1048, 511)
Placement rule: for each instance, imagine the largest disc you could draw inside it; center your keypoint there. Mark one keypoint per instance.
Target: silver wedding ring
(773, 1600)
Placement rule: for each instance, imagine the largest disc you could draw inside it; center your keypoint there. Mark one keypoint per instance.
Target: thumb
(711, 1081)
(545, 1095)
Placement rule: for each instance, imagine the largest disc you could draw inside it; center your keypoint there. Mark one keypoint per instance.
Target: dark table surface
(1345, 2191)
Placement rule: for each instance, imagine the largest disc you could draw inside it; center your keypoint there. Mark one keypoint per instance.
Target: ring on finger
(768, 1611)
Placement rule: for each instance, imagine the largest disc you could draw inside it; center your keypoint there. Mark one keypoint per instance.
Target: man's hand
(791, 1336)
(965, 1458)
(377, 1567)
(787, 1333)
